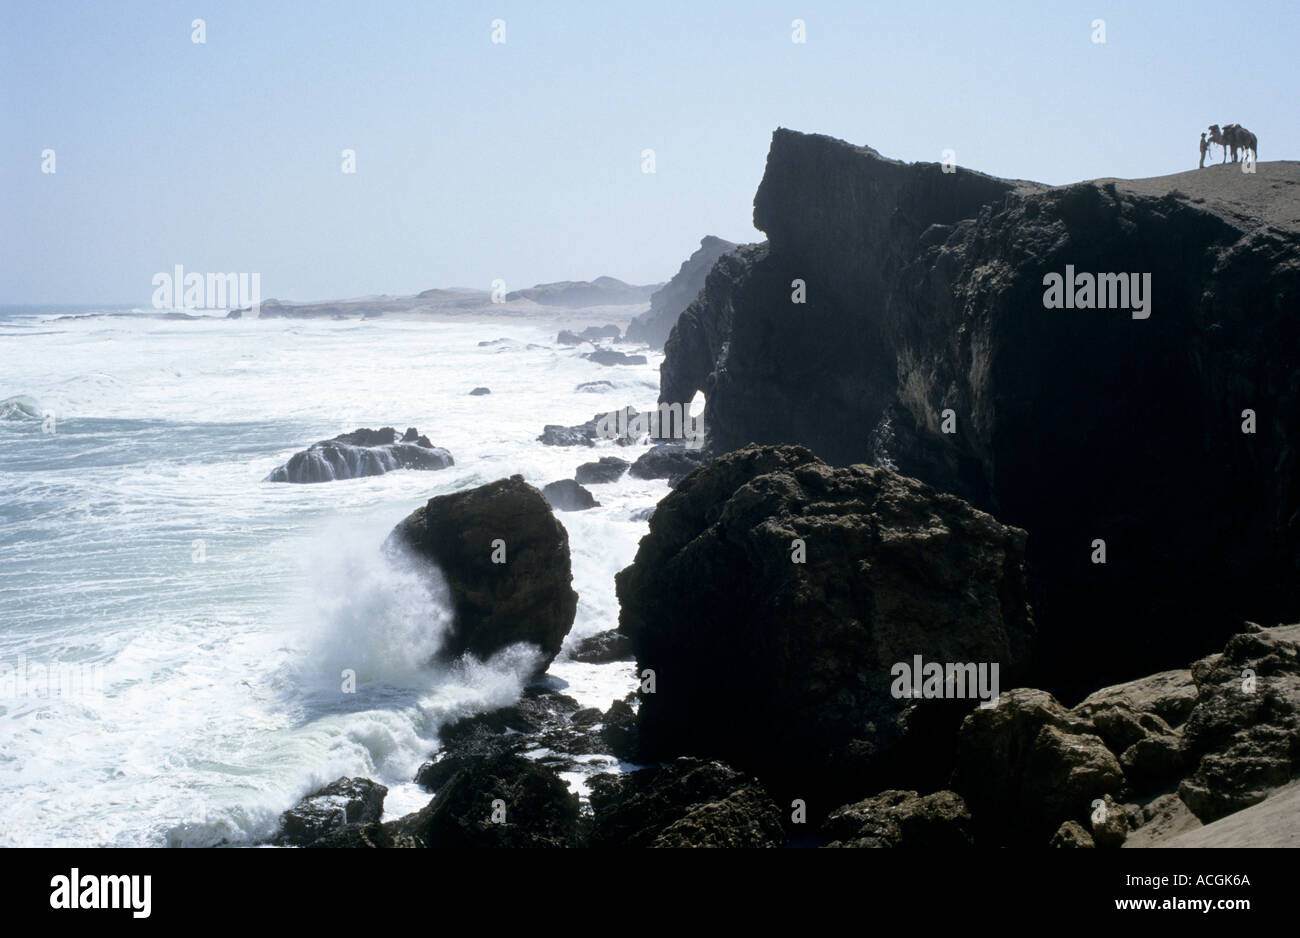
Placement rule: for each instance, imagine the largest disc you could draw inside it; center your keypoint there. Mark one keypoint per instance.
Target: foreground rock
(787, 671)
(667, 303)
(1245, 727)
(686, 803)
(526, 598)
(940, 821)
(925, 313)
(500, 801)
(568, 495)
(363, 452)
(342, 803)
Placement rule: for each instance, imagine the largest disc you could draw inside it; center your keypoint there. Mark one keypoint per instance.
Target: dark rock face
(602, 648)
(575, 294)
(1028, 765)
(792, 662)
(363, 452)
(567, 495)
(605, 469)
(667, 303)
(480, 392)
(902, 819)
(501, 801)
(686, 803)
(671, 461)
(528, 598)
(924, 293)
(1245, 727)
(342, 803)
(604, 356)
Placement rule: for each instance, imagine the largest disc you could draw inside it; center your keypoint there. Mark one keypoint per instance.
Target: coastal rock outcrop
(896, 315)
(666, 304)
(505, 559)
(362, 452)
(833, 576)
(568, 495)
(342, 803)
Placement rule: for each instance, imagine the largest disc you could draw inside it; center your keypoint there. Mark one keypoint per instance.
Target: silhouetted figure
(1205, 148)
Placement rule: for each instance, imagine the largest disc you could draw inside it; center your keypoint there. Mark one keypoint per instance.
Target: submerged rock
(362, 452)
(605, 469)
(480, 392)
(567, 495)
(604, 356)
(505, 559)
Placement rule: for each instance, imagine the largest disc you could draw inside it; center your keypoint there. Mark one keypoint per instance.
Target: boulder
(1243, 735)
(528, 598)
(342, 803)
(567, 495)
(902, 819)
(480, 392)
(605, 469)
(602, 648)
(362, 452)
(1072, 834)
(788, 671)
(1028, 765)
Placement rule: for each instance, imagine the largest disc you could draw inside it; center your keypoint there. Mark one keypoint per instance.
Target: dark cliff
(925, 293)
(666, 304)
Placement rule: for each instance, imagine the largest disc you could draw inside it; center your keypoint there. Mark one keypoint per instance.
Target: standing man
(1205, 146)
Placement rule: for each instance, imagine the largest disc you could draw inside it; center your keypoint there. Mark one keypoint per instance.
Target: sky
(523, 160)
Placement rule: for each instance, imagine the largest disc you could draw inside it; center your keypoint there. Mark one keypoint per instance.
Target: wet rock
(361, 453)
(604, 356)
(671, 461)
(528, 598)
(341, 803)
(602, 648)
(568, 495)
(605, 469)
(902, 819)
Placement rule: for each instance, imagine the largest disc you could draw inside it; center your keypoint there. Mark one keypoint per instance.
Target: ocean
(173, 628)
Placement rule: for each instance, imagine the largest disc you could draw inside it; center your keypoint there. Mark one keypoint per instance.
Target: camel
(1236, 137)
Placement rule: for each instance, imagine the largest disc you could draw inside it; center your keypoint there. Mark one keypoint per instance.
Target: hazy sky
(523, 160)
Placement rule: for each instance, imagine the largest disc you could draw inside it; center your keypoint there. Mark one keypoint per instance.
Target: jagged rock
(686, 803)
(604, 356)
(671, 461)
(902, 819)
(667, 303)
(1245, 727)
(621, 732)
(1027, 765)
(893, 570)
(342, 803)
(1150, 751)
(1072, 834)
(1170, 695)
(606, 469)
(567, 495)
(528, 598)
(602, 648)
(496, 801)
(925, 294)
(614, 424)
(480, 392)
(362, 452)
